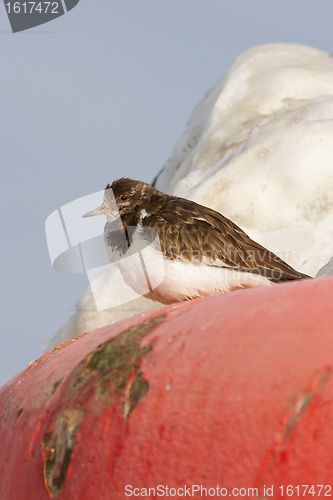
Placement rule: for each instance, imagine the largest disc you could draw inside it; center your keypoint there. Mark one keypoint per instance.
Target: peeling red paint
(240, 394)
(276, 452)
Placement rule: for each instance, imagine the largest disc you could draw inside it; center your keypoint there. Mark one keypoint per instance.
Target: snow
(259, 149)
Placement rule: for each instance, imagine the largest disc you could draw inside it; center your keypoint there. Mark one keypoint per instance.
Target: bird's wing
(191, 232)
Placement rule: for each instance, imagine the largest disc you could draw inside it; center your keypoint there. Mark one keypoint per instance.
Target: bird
(198, 251)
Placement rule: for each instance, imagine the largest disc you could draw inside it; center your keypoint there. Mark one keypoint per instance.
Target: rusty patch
(19, 412)
(138, 389)
(57, 447)
(292, 417)
(112, 369)
(55, 386)
(303, 401)
(115, 366)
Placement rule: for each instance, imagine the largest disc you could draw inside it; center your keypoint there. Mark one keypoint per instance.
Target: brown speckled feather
(194, 233)
(190, 231)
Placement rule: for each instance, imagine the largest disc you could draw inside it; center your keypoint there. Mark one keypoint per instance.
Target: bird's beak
(101, 210)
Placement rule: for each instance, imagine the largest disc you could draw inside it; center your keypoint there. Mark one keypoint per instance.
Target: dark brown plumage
(192, 232)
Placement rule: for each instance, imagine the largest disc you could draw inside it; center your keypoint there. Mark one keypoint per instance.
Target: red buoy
(225, 396)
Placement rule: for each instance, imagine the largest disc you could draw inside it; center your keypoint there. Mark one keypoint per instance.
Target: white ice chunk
(259, 149)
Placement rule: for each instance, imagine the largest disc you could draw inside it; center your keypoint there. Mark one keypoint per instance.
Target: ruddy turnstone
(204, 253)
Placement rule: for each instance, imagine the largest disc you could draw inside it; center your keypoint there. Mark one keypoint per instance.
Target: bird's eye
(123, 198)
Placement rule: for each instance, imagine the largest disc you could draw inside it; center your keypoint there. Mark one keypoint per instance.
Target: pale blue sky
(100, 93)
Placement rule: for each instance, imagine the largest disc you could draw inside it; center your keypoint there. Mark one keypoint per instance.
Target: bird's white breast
(168, 281)
(143, 266)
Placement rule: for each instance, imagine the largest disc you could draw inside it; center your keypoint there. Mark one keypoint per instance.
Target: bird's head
(123, 196)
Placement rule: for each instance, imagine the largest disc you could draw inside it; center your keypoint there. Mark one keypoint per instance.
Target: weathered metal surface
(233, 390)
